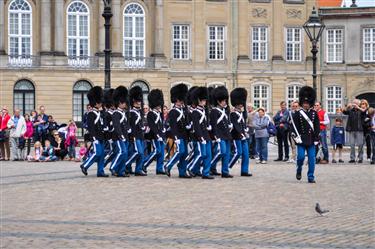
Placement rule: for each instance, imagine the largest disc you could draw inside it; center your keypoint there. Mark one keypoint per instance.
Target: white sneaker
(257, 161)
(263, 162)
(291, 160)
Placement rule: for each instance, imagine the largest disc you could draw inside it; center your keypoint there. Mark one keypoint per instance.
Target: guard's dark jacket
(107, 123)
(200, 124)
(220, 123)
(136, 124)
(155, 122)
(177, 123)
(120, 125)
(308, 135)
(95, 125)
(189, 121)
(239, 125)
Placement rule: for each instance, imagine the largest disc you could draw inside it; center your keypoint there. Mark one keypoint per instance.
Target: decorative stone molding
(294, 13)
(259, 12)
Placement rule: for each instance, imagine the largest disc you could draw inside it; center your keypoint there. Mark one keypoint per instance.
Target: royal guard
(120, 132)
(107, 112)
(95, 128)
(202, 152)
(305, 131)
(157, 131)
(189, 108)
(221, 127)
(238, 98)
(137, 131)
(178, 130)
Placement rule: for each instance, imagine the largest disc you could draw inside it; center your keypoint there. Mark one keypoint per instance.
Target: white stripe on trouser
(218, 153)
(118, 155)
(92, 156)
(174, 155)
(235, 153)
(135, 154)
(191, 165)
(152, 154)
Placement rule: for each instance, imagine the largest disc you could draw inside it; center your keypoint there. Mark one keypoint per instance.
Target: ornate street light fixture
(107, 14)
(314, 29)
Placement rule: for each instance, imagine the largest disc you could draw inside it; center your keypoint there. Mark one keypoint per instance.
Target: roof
(329, 3)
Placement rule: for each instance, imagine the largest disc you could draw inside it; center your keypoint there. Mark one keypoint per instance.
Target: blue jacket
(282, 118)
(338, 135)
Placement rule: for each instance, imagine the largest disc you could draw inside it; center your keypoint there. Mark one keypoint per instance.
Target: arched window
(24, 96)
(134, 35)
(80, 101)
(20, 31)
(215, 84)
(78, 32)
(261, 96)
(292, 93)
(145, 89)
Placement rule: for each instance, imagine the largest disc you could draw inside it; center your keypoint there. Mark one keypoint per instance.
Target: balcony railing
(139, 62)
(83, 61)
(23, 61)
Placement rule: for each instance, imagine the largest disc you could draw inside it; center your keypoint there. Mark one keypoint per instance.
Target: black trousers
(282, 141)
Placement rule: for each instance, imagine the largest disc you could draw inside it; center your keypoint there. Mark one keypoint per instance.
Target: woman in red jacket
(4, 135)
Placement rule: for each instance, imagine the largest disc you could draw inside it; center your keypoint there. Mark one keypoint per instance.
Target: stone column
(101, 38)
(159, 29)
(59, 27)
(2, 35)
(116, 35)
(277, 31)
(46, 27)
(243, 31)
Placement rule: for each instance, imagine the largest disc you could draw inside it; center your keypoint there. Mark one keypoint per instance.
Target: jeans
(252, 145)
(223, 153)
(241, 149)
(262, 148)
(158, 153)
(282, 141)
(202, 154)
(120, 150)
(373, 146)
(96, 156)
(301, 149)
(323, 143)
(15, 152)
(179, 156)
(72, 151)
(138, 156)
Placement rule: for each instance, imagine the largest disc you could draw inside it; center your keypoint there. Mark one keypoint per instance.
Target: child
(337, 139)
(48, 153)
(82, 152)
(37, 153)
(71, 140)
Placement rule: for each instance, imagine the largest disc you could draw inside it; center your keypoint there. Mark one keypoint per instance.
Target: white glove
(209, 127)
(316, 143)
(177, 141)
(218, 140)
(203, 141)
(188, 126)
(160, 139)
(230, 126)
(129, 130)
(147, 129)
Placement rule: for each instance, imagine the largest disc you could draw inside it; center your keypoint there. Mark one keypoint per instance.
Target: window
(334, 98)
(369, 44)
(134, 35)
(215, 84)
(145, 89)
(292, 93)
(259, 45)
(293, 44)
(216, 42)
(261, 96)
(180, 42)
(78, 34)
(24, 96)
(80, 101)
(334, 45)
(20, 32)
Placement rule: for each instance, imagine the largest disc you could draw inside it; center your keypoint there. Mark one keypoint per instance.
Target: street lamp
(107, 14)
(314, 28)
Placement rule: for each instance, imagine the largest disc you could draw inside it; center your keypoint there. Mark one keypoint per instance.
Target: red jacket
(321, 114)
(4, 122)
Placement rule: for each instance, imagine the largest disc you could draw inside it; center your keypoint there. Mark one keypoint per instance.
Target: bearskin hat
(307, 94)
(156, 98)
(135, 94)
(211, 100)
(95, 96)
(178, 92)
(120, 95)
(219, 94)
(189, 95)
(108, 98)
(238, 96)
(200, 93)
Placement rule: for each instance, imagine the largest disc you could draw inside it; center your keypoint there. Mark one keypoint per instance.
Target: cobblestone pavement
(52, 205)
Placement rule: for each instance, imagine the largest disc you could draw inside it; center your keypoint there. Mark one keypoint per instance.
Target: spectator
(354, 128)
(48, 153)
(86, 136)
(261, 122)
(82, 153)
(250, 125)
(33, 119)
(41, 128)
(4, 134)
(44, 123)
(58, 144)
(281, 122)
(366, 129)
(28, 134)
(17, 126)
(324, 121)
(372, 116)
(51, 126)
(38, 150)
(71, 139)
(337, 139)
(295, 107)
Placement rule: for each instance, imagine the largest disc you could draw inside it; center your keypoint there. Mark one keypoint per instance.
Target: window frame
(334, 99)
(268, 98)
(133, 38)
(335, 43)
(286, 42)
(23, 92)
(259, 42)
(181, 40)
(371, 42)
(296, 97)
(216, 41)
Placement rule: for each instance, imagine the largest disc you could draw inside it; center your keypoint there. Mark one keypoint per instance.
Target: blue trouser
(262, 149)
(138, 156)
(110, 153)
(222, 152)
(301, 158)
(158, 153)
(241, 149)
(323, 143)
(202, 154)
(96, 156)
(179, 156)
(120, 150)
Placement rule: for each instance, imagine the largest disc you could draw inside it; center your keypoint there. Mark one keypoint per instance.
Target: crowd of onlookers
(53, 141)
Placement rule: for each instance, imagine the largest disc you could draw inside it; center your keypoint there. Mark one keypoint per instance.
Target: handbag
(271, 129)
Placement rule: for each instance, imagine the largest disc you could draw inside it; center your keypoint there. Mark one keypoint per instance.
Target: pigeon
(319, 210)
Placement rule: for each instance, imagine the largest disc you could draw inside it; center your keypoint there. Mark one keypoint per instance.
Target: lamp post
(314, 29)
(107, 14)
